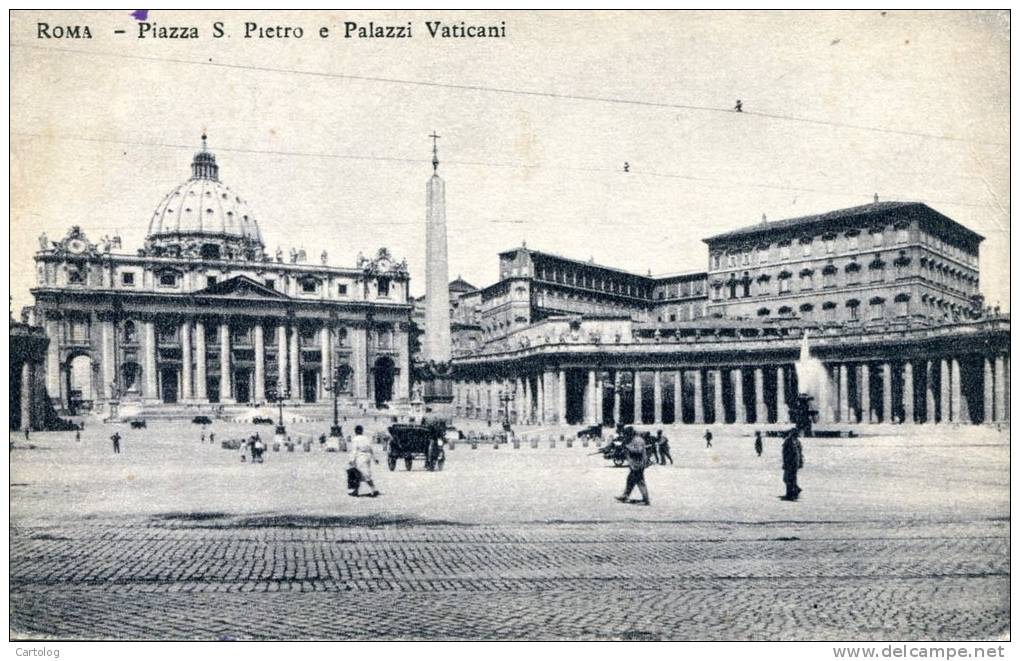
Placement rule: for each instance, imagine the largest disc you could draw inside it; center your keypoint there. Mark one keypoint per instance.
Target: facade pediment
(242, 287)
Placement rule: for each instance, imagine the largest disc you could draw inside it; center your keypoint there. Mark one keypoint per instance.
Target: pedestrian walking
(637, 456)
(652, 447)
(364, 455)
(77, 435)
(793, 461)
(26, 433)
(212, 437)
(708, 438)
(757, 442)
(663, 444)
(116, 442)
(203, 437)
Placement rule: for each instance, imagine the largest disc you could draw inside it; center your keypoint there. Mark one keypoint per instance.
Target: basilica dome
(204, 218)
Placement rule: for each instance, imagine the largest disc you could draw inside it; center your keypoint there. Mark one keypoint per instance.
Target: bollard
(276, 447)
(584, 442)
(570, 442)
(495, 445)
(552, 442)
(474, 444)
(452, 445)
(534, 441)
(308, 446)
(517, 444)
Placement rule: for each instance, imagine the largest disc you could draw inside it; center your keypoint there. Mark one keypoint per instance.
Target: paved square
(896, 537)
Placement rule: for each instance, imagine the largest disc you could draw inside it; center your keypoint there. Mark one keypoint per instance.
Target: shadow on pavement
(222, 520)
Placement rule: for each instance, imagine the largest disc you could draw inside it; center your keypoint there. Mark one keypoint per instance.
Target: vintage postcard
(510, 325)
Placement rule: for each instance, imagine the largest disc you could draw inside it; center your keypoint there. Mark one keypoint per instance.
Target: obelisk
(437, 346)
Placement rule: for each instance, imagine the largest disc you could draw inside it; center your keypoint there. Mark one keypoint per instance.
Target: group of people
(641, 448)
(255, 446)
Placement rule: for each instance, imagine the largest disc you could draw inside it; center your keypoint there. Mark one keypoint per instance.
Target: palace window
(763, 255)
(830, 243)
(167, 334)
(853, 273)
(853, 308)
(902, 234)
(763, 312)
(877, 307)
(807, 312)
(763, 285)
(902, 305)
(747, 258)
(806, 246)
(877, 270)
(786, 311)
(829, 311)
(784, 282)
(851, 240)
(807, 279)
(716, 261)
(784, 250)
(829, 276)
(127, 279)
(876, 239)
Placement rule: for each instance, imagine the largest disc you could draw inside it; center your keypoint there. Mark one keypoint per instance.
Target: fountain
(810, 377)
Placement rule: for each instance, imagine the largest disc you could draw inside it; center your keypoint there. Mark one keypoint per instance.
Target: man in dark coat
(757, 442)
(637, 459)
(708, 438)
(793, 461)
(663, 444)
(116, 442)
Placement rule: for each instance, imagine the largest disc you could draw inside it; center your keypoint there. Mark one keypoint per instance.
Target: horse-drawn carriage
(424, 441)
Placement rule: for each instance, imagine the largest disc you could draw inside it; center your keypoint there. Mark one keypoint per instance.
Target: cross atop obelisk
(435, 152)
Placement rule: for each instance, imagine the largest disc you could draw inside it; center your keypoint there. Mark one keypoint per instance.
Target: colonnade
(955, 389)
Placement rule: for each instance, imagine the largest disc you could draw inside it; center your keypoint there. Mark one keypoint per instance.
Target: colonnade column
(260, 363)
(865, 391)
(945, 407)
(717, 397)
(52, 324)
(226, 394)
(887, 412)
(960, 411)
(678, 397)
(149, 331)
(989, 389)
(737, 378)
(908, 393)
(929, 393)
(637, 398)
(761, 412)
(526, 393)
(186, 385)
(281, 359)
(824, 402)
(200, 374)
(590, 399)
(26, 395)
(657, 397)
(1000, 389)
(699, 402)
(599, 395)
(782, 411)
(616, 397)
(561, 397)
(542, 415)
(844, 394)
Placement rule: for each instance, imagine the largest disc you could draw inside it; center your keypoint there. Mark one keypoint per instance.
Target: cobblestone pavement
(153, 563)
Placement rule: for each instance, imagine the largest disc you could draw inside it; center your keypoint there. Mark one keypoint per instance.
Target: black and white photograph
(495, 325)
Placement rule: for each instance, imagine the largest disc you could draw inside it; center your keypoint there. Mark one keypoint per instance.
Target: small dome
(203, 208)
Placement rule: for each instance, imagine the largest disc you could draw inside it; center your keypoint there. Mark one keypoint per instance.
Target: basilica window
(127, 279)
(75, 275)
(210, 280)
(309, 285)
(341, 289)
(130, 332)
(167, 334)
(168, 279)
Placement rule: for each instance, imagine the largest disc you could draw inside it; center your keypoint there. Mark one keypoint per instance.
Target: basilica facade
(201, 314)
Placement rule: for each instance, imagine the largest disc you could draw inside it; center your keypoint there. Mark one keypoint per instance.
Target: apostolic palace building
(201, 314)
(886, 293)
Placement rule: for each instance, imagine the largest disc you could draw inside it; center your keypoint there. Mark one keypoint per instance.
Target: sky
(328, 138)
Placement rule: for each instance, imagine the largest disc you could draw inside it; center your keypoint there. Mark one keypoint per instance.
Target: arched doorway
(80, 390)
(383, 374)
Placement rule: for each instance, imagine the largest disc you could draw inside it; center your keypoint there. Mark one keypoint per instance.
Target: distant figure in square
(212, 437)
(77, 435)
(203, 437)
(26, 433)
(708, 438)
(793, 461)
(757, 442)
(663, 444)
(364, 455)
(116, 442)
(637, 458)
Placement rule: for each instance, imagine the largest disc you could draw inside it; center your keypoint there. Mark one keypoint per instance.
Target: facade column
(844, 394)
(717, 397)
(908, 393)
(149, 331)
(960, 412)
(53, 361)
(637, 398)
(260, 362)
(761, 412)
(657, 397)
(359, 359)
(109, 358)
(200, 374)
(26, 395)
(325, 360)
(782, 411)
(599, 395)
(226, 393)
(824, 396)
(186, 385)
(281, 360)
(929, 393)
(865, 391)
(590, 399)
(561, 396)
(616, 397)
(540, 383)
(737, 378)
(294, 362)
(945, 407)
(699, 399)
(1000, 389)
(887, 412)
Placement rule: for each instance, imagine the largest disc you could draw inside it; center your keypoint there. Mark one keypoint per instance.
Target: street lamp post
(339, 375)
(280, 395)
